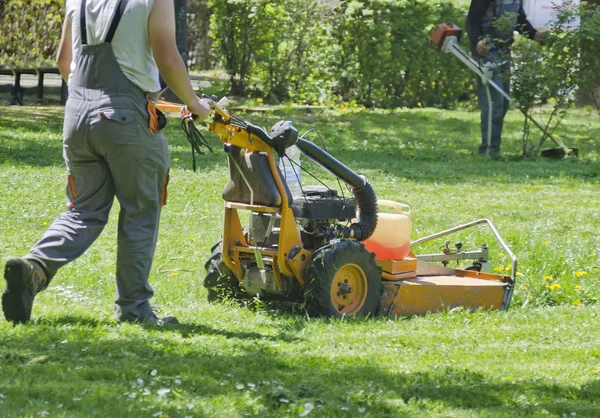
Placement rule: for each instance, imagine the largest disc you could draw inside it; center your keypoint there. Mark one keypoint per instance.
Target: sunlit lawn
(539, 358)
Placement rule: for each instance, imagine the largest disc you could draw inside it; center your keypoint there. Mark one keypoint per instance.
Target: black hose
(367, 206)
(363, 191)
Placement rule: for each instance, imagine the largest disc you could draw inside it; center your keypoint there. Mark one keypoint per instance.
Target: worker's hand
(482, 48)
(540, 36)
(199, 108)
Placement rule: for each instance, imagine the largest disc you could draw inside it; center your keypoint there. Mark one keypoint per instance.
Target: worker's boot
(24, 279)
(166, 320)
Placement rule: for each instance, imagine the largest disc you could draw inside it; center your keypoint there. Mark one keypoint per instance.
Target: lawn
(540, 358)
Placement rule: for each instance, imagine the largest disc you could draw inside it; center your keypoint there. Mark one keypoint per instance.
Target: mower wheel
(343, 280)
(220, 281)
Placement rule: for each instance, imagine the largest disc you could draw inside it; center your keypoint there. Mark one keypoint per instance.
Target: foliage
(295, 60)
(553, 71)
(225, 360)
(30, 31)
(375, 52)
(385, 57)
(237, 27)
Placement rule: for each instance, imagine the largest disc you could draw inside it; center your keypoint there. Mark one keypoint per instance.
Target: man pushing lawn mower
(111, 52)
(490, 26)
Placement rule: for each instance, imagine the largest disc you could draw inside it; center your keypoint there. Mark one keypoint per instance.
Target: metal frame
(513, 274)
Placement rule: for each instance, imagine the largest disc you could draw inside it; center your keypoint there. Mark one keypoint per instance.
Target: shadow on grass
(421, 146)
(124, 373)
(186, 330)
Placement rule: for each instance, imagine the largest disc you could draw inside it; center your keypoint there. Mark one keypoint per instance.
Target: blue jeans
(491, 126)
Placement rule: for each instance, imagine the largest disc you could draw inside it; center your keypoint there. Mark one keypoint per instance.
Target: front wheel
(220, 282)
(343, 280)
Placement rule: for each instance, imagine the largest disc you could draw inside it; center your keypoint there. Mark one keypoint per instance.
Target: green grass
(541, 358)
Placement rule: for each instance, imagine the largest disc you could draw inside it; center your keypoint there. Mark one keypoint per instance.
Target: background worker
(491, 39)
(111, 53)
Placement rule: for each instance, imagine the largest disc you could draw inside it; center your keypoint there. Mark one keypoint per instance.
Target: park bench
(17, 91)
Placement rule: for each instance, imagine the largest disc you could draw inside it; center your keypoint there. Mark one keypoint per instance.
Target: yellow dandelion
(175, 159)
(433, 83)
(259, 100)
(499, 269)
(315, 103)
(555, 286)
(519, 274)
(577, 302)
(548, 287)
(523, 287)
(579, 274)
(547, 278)
(577, 287)
(546, 242)
(508, 268)
(419, 104)
(175, 272)
(551, 100)
(529, 297)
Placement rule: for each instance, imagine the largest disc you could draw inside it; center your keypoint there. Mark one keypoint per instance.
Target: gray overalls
(492, 114)
(109, 151)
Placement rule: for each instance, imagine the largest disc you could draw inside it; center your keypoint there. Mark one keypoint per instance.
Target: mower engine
(320, 213)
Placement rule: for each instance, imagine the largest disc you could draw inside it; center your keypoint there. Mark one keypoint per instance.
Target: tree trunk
(200, 44)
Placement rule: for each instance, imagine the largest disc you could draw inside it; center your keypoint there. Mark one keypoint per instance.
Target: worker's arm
(65, 50)
(474, 17)
(170, 64)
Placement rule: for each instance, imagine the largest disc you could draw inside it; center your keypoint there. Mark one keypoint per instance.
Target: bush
(388, 60)
(552, 72)
(374, 52)
(30, 31)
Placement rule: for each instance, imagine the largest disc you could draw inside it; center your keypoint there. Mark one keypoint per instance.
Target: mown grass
(541, 358)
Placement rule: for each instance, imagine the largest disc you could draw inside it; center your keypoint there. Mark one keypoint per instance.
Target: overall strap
(113, 25)
(116, 19)
(83, 23)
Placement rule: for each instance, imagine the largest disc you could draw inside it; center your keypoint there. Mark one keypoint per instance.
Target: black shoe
(166, 320)
(153, 320)
(24, 279)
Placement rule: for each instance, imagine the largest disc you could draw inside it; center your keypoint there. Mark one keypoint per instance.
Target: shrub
(553, 72)
(30, 31)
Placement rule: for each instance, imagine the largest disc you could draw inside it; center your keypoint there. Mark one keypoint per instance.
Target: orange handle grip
(170, 106)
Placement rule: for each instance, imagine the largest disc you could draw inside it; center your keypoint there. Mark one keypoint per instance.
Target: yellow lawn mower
(339, 255)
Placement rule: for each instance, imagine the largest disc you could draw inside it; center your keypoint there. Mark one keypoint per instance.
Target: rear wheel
(343, 280)
(220, 281)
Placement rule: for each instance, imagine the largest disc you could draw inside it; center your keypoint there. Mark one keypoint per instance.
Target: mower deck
(428, 294)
